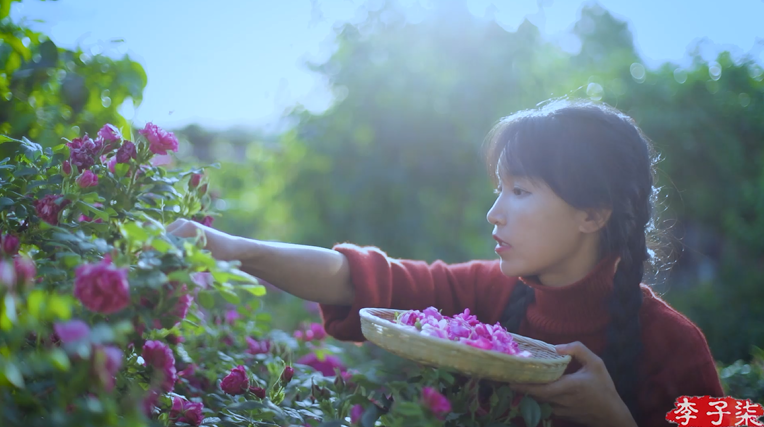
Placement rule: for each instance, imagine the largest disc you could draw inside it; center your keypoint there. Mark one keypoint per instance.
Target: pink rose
(102, 287)
(258, 391)
(326, 366)
(106, 363)
(7, 274)
(149, 402)
(433, 313)
(196, 178)
(186, 412)
(85, 218)
(109, 132)
(87, 179)
(159, 356)
(162, 160)
(71, 331)
(410, 317)
(179, 311)
(235, 382)
(184, 303)
(83, 152)
(126, 152)
(312, 307)
(258, 347)
(49, 207)
(287, 374)
(10, 244)
(66, 167)
(25, 270)
(207, 220)
(159, 140)
(203, 280)
(232, 316)
(435, 402)
(175, 339)
(355, 414)
(315, 331)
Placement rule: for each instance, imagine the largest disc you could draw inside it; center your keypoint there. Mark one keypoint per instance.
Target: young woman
(572, 219)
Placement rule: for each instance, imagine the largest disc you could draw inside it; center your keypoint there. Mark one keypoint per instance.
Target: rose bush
(106, 320)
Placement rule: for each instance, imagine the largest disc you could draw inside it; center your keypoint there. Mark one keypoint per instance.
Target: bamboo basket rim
(555, 360)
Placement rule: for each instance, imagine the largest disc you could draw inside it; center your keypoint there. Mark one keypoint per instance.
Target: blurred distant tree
(396, 161)
(47, 92)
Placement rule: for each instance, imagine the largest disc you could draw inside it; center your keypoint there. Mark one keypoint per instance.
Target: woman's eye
(518, 191)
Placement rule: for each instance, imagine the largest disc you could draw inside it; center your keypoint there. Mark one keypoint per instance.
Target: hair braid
(514, 312)
(624, 343)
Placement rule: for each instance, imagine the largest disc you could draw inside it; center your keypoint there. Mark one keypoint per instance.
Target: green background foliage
(395, 162)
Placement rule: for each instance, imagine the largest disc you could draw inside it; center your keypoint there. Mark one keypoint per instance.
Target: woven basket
(544, 366)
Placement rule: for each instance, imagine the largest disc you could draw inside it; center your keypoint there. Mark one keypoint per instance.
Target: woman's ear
(592, 220)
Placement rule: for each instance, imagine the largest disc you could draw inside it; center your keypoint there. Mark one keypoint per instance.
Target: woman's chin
(513, 269)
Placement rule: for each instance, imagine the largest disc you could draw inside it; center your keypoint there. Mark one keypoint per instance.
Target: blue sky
(239, 63)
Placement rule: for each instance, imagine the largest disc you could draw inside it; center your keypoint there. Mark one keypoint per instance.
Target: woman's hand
(223, 246)
(587, 396)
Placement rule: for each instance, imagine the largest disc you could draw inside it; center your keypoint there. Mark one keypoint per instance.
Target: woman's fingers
(183, 228)
(175, 225)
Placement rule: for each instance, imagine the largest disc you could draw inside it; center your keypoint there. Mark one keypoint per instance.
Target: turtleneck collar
(577, 308)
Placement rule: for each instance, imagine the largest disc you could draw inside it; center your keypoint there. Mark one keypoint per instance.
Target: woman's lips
(502, 246)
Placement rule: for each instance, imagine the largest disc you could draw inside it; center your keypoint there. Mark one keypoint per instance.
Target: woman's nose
(493, 216)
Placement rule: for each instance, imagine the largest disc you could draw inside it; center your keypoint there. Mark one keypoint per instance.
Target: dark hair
(592, 156)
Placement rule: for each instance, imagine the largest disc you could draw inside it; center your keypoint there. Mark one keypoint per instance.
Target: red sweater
(676, 360)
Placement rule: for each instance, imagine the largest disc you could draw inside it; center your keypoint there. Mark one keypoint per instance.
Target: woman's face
(545, 232)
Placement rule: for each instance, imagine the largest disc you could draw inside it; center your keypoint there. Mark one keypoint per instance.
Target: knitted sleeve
(384, 282)
(685, 367)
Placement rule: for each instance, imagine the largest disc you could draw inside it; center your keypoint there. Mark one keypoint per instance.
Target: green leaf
(9, 311)
(447, 377)
(134, 232)
(409, 408)
(546, 411)
(25, 171)
(92, 209)
(59, 360)
(70, 259)
(263, 317)
(334, 423)
(256, 290)
(370, 416)
(161, 245)
(246, 406)
(35, 303)
(207, 299)
(59, 307)
(13, 375)
(31, 150)
(5, 201)
(230, 296)
(531, 411)
(121, 169)
(179, 276)
(241, 276)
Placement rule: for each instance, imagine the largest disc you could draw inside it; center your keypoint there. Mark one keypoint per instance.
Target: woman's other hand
(587, 396)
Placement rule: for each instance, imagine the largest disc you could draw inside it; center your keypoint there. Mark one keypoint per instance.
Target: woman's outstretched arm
(308, 272)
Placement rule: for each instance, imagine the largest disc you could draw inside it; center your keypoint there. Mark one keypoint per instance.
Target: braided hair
(592, 156)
